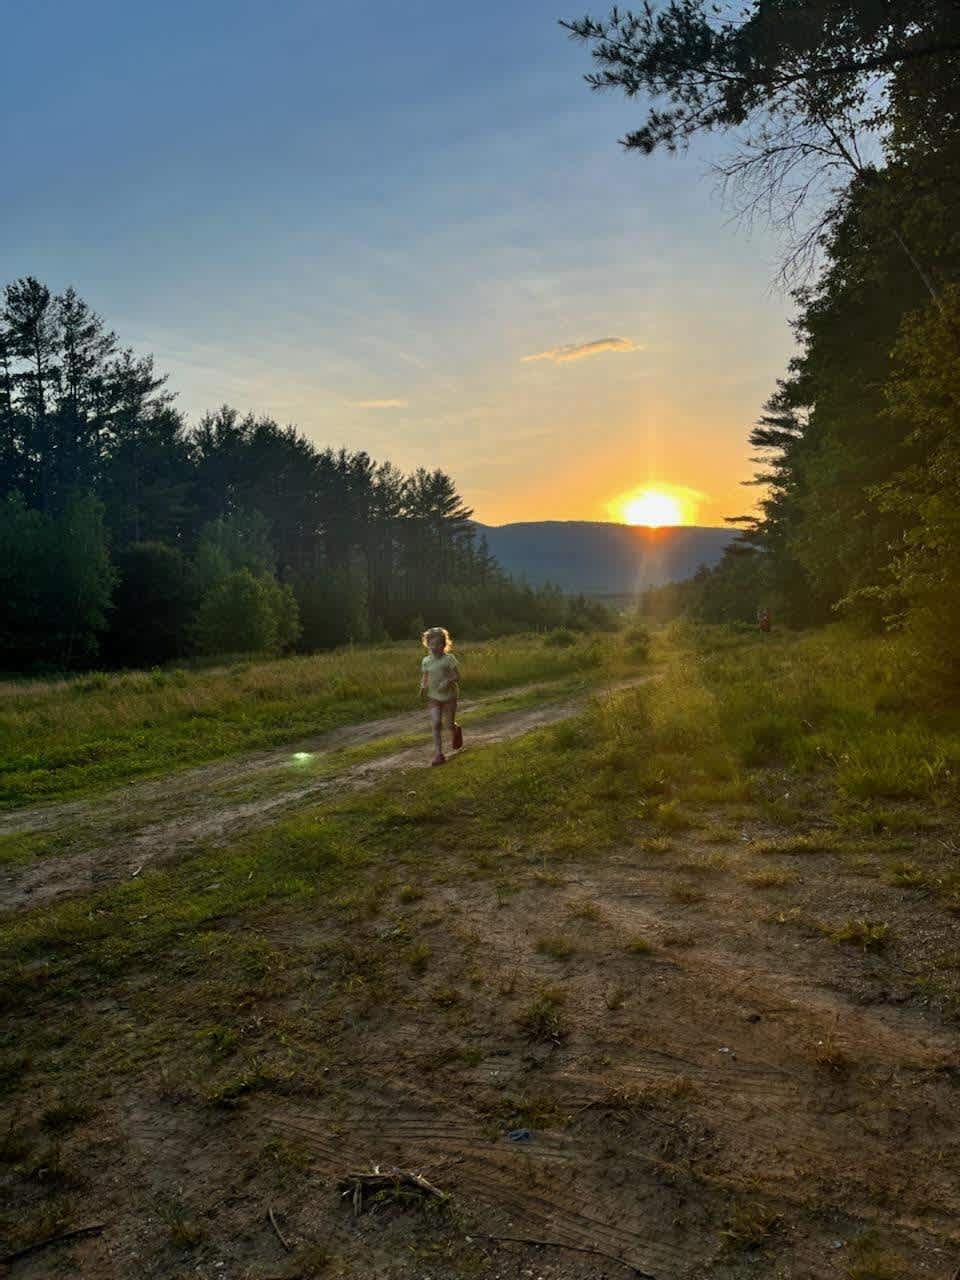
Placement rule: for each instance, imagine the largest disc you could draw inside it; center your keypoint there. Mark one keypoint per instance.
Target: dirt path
(732, 1080)
(732, 1103)
(119, 834)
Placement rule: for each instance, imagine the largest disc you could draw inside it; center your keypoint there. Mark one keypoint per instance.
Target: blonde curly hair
(437, 631)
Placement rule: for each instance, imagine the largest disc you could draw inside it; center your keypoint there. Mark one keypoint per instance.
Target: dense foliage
(126, 534)
(859, 446)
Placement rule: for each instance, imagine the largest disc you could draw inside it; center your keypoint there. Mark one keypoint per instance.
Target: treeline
(128, 537)
(858, 449)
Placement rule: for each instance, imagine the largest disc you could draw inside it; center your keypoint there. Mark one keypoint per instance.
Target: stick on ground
(558, 1244)
(273, 1223)
(75, 1234)
(356, 1185)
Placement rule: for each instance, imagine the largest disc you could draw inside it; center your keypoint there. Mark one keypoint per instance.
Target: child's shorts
(443, 702)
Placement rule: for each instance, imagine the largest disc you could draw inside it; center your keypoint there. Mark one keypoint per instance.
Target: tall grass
(61, 737)
(831, 700)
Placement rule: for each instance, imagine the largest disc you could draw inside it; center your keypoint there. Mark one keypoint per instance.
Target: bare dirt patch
(733, 1098)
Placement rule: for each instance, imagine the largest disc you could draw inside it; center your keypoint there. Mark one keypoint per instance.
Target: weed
(64, 1115)
(667, 814)
(639, 947)
(543, 1019)
(828, 1054)
(507, 981)
(222, 1041)
(290, 1160)
(234, 1090)
(183, 1231)
(868, 935)
(719, 835)
(522, 1111)
(707, 865)
(687, 894)
(657, 845)
(555, 946)
(869, 1260)
(584, 910)
(552, 879)
(560, 638)
(679, 938)
(797, 845)
(750, 1226)
(770, 878)
(418, 957)
(907, 875)
(568, 735)
(614, 996)
(409, 893)
(445, 997)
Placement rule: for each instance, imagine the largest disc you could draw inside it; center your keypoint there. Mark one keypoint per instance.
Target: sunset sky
(407, 228)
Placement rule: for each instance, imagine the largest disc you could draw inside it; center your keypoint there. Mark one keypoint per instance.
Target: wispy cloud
(579, 350)
(379, 404)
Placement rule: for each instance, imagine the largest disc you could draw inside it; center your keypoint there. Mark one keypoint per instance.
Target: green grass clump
(555, 946)
(639, 947)
(868, 935)
(561, 638)
(770, 878)
(543, 1018)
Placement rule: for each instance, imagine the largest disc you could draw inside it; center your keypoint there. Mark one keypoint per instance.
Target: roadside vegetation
(64, 737)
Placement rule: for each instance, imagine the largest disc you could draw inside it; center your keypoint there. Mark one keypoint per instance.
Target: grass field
(700, 941)
(66, 737)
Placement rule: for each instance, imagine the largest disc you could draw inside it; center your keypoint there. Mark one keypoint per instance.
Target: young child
(439, 683)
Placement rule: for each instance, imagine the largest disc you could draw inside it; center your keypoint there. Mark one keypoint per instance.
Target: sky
(402, 227)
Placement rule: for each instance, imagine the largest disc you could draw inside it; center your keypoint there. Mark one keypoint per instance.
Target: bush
(561, 638)
(637, 640)
(244, 614)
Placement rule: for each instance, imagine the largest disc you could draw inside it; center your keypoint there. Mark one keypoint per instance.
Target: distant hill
(601, 558)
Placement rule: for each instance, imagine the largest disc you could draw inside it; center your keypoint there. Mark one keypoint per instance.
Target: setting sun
(652, 508)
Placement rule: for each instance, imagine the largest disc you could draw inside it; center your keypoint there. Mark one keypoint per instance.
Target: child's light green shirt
(438, 671)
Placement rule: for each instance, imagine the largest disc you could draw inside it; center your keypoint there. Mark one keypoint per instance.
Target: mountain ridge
(602, 557)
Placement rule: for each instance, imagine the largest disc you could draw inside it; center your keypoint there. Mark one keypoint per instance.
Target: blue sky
(362, 219)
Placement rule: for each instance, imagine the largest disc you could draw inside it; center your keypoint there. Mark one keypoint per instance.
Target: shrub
(560, 638)
(637, 640)
(244, 614)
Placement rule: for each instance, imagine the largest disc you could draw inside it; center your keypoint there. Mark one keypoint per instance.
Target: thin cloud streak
(579, 350)
(379, 404)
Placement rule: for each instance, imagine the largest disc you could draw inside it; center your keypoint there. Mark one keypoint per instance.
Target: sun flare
(650, 507)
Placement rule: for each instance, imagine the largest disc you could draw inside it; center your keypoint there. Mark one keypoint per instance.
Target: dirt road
(147, 823)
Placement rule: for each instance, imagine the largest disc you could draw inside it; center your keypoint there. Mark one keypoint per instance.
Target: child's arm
(424, 683)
